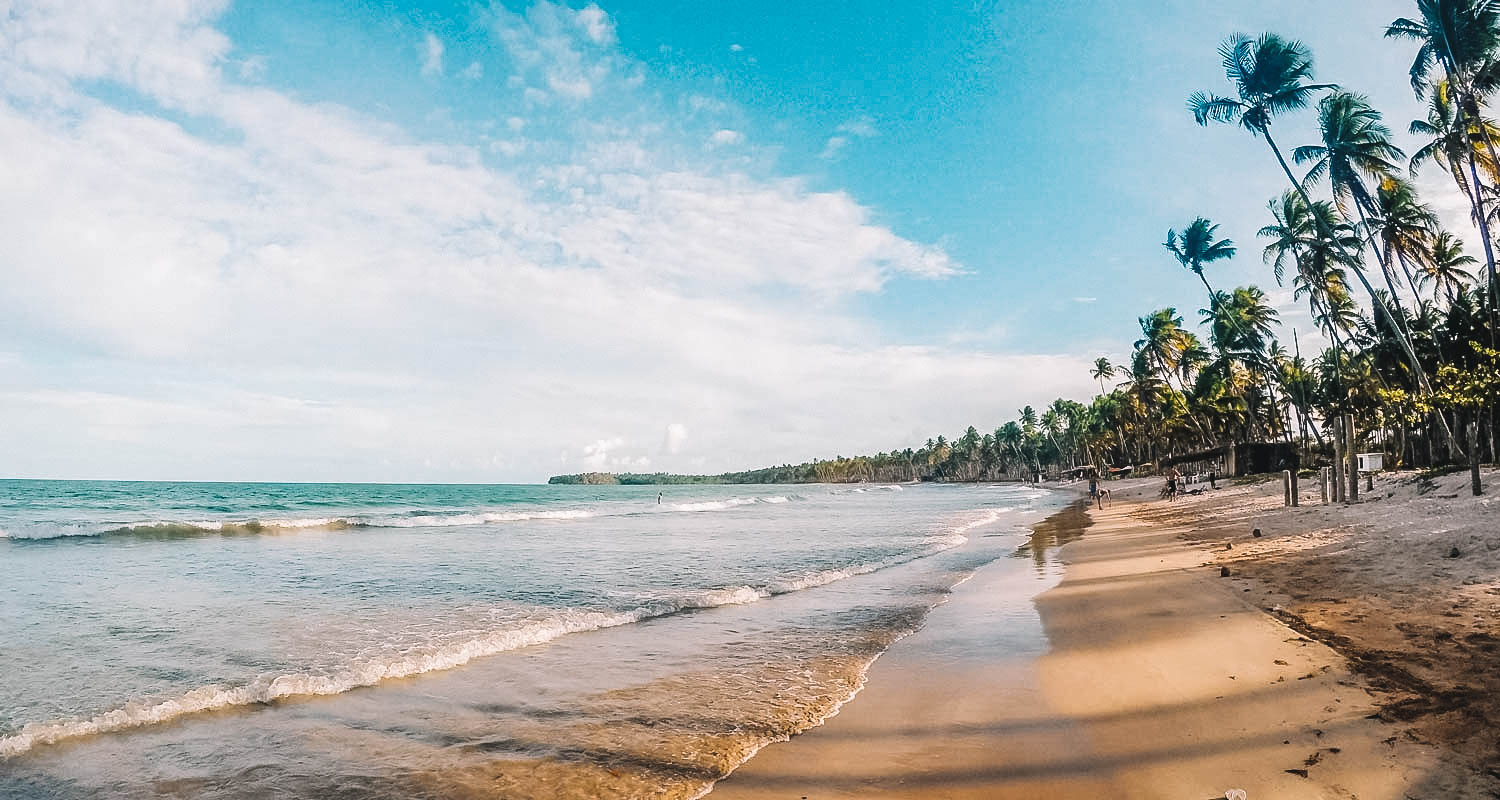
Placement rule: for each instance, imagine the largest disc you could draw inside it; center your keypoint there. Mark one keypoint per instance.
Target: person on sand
(1094, 490)
(1170, 490)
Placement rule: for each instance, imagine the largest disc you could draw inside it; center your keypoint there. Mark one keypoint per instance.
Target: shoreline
(919, 726)
(1161, 679)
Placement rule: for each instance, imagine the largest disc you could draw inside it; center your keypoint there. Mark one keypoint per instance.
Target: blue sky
(470, 241)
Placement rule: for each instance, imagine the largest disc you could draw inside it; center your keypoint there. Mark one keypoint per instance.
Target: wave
(732, 502)
(270, 688)
(175, 529)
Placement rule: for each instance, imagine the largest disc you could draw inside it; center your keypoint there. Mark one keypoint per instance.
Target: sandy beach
(1298, 676)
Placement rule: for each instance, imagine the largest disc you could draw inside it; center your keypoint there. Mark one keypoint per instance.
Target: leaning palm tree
(1444, 267)
(1271, 76)
(1460, 38)
(1356, 147)
(1405, 228)
(1449, 145)
(1102, 370)
(1297, 241)
(1195, 247)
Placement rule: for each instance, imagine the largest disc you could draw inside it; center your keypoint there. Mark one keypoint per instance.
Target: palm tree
(1319, 261)
(1162, 340)
(1102, 370)
(1405, 227)
(1444, 267)
(1356, 146)
(1460, 38)
(1195, 247)
(1270, 75)
(1450, 145)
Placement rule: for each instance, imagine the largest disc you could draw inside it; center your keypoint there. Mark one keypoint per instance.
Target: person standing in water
(658, 497)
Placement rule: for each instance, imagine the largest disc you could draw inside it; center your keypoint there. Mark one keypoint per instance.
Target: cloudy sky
(477, 241)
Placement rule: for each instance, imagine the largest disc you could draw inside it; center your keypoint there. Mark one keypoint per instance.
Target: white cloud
(834, 147)
(724, 137)
(432, 55)
(863, 127)
(473, 72)
(736, 48)
(596, 454)
(674, 438)
(252, 68)
(319, 295)
(596, 24)
(1085, 299)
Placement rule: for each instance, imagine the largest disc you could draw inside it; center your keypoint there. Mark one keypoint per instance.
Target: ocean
(246, 640)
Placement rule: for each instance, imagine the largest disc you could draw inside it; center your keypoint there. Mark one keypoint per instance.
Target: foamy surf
(270, 688)
(188, 529)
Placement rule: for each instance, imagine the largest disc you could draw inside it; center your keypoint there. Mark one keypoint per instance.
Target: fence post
(1323, 483)
(1353, 453)
(1474, 454)
(1338, 460)
(1286, 487)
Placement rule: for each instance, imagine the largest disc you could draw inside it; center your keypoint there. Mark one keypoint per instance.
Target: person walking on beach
(1094, 490)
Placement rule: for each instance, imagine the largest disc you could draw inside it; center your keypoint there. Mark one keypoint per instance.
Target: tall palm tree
(1356, 146)
(1444, 267)
(1450, 146)
(1460, 38)
(1162, 340)
(1195, 247)
(1297, 240)
(1102, 370)
(1271, 76)
(1404, 226)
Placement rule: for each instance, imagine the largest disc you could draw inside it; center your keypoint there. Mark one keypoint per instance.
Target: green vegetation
(1411, 360)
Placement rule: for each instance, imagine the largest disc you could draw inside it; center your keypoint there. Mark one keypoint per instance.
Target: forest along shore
(1404, 585)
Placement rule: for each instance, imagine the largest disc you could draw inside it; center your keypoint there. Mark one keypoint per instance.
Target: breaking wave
(174, 529)
(269, 688)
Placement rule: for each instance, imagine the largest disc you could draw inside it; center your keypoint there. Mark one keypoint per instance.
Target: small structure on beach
(1235, 460)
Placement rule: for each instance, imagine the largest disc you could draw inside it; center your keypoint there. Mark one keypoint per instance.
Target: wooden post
(1286, 487)
(1296, 501)
(1323, 484)
(1338, 459)
(1352, 470)
(1474, 454)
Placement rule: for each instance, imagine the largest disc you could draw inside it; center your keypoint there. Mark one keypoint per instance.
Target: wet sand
(1162, 680)
(942, 715)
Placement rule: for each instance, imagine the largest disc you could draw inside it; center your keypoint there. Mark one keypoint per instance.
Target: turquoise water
(313, 640)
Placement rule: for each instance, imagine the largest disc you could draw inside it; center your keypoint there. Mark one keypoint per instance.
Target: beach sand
(1163, 679)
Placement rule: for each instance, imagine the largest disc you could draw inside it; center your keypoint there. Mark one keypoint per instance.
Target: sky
(491, 242)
